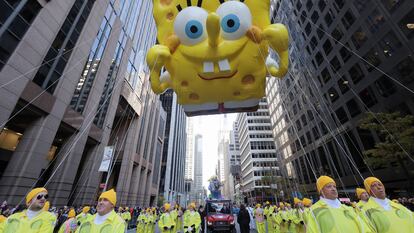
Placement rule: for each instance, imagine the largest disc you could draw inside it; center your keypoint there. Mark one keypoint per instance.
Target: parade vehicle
(219, 216)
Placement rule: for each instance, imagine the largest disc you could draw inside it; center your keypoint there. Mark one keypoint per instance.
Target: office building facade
(172, 182)
(73, 81)
(259, 163)
(348, 58)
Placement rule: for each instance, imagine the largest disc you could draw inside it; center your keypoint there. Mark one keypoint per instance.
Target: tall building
(348, 58)
(189, 159)
(233, 168)
(259, 163)
(198, 169)
(73, 81)
(172, 185)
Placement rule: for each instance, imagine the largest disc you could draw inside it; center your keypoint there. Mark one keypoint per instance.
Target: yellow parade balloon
(214, 53)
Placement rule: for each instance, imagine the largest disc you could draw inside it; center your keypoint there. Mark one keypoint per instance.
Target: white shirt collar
(31, 214)
(101, 219)
(332, 203)
(384, 203)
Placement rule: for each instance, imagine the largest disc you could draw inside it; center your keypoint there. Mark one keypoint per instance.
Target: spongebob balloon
(212, 53)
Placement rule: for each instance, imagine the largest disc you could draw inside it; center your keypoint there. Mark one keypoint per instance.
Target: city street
(157, 230)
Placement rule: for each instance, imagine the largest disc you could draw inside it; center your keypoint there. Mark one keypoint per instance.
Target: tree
(396, 133)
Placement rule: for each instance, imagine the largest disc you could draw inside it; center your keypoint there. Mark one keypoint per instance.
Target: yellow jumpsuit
(113, 224)
(82, 217)
(274, 220)
(260, 222)
(150, 223)
(192, 219)
(44, 222)
(396, 220)
(166, 223)
(325, 219)
(141, 223)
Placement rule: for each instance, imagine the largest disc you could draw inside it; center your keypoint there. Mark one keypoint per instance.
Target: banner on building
(106, 159)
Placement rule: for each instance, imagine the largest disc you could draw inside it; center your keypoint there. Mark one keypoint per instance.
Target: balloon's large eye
(190, 25)
(236, 19)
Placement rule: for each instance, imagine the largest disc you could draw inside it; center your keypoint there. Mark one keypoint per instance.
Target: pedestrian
(106, 219)
(260, 221)
(84, 215)
(141, 222)
(70, 225)
(243, 219)
(3, 220)
(328, 215)
(166, 223)
(384, 215)
(34, 218)
(192, 219)
(363, 197)
(203, 214)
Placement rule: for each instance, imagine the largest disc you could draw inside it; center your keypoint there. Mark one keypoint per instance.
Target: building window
(339, 4)
(408, 18)
(315, 132)
(85, 83)
(319, 58)
(373, 59)
(343, 84)
(327, 47)
(298, 125)
(333, 94)
(368, 97)
(320, 31)
(356, 73)
(389, 44)
(15, 31)
(359, 38)
(348, 19)
(353, 108)
(341, 115)
(375, 20)
(309, 5)
(328, 18)
(314, 42)
(326, 76)
(308, 29)
(360, 5)
(315, 17)
(404, 71)
(59, 53)
(385, 86)
(345, 54)
(110, 81)
(304, 121)
(321, 5)
(337, 34)
(335, 64)
(391, 5)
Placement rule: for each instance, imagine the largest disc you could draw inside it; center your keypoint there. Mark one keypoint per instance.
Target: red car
(219, 216)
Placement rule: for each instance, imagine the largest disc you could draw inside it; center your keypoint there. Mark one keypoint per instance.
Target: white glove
(190, 229)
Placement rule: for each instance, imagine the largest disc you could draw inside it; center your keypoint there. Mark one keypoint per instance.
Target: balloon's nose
(213, 29)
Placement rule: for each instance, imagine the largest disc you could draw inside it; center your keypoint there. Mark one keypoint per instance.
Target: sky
(209, 127)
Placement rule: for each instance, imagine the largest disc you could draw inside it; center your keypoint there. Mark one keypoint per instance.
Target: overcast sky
(209, 127)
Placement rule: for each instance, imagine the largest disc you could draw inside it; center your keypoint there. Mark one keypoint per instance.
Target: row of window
(15, 19)
(59, 53)
(264, 155)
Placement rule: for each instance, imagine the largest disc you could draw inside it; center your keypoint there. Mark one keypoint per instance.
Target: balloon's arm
(278, 39)
(156, 59)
